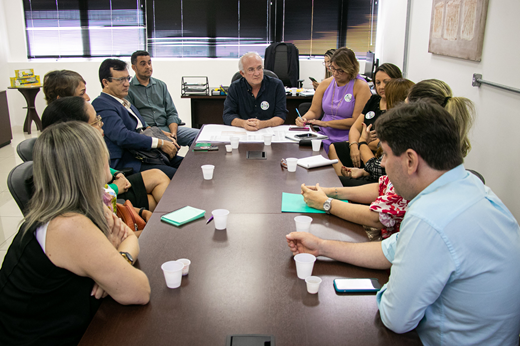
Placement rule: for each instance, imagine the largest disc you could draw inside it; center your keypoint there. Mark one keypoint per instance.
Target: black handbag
(153, 156)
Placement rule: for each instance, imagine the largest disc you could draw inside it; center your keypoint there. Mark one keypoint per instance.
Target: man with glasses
(256, 100)
(123, 123)
(151, 97)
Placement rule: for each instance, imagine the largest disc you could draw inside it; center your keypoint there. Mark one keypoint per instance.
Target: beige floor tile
(8, 228)
(2, 255)
(8, 206)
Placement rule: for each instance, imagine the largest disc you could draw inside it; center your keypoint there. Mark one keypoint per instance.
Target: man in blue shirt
(256, 100)
(151, 97)
(454, 265)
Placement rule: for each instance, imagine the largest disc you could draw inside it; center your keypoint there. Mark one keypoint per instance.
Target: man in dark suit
(123, 124)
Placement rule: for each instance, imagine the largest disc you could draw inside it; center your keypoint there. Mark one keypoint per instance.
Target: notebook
(294, 203)
(182, 216)
(315, 161)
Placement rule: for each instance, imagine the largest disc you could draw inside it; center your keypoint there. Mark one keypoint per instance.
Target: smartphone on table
(355, 285)
(306, 135)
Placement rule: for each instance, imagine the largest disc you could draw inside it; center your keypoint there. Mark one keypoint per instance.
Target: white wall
(495, 150)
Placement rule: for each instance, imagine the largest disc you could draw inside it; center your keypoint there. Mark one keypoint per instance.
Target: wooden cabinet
(5, 122)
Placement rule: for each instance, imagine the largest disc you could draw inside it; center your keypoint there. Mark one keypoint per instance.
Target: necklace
(332, 100)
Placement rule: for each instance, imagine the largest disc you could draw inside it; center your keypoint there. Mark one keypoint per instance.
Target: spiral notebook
(183, 215)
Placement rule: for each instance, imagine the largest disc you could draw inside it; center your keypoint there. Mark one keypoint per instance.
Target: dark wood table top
(243, 280)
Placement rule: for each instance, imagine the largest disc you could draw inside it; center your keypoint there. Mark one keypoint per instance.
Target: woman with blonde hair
(341, 97)
(71, 250)
(461, 108)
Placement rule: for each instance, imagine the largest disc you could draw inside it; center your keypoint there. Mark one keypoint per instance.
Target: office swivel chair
(266, 72)
(282, 58)
(25, 149)
(20, 184)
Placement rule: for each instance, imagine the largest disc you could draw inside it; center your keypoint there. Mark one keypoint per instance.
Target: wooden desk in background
(209, 109)
(243, 280)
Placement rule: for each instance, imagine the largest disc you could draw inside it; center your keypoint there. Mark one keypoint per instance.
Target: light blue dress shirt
(455, 266)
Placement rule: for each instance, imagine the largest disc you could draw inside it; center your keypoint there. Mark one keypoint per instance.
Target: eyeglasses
(97, 122)
(121, 80)
(252, 70)
(325, 63)
(334, 70)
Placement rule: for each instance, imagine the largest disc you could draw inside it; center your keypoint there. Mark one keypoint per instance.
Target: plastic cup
(234, 142)
(207, 171)
(316, 144)
(268, 139)
(186, 263)
(303, 223)
(220, 217)
(294, 90)
(172, 273)
(229, 148)
(313, 284)
(304, 264)
(291, 164)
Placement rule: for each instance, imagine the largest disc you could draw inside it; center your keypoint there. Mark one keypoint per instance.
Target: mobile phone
(306, 135)
(296, 128)
(356, 285)
(312, 79)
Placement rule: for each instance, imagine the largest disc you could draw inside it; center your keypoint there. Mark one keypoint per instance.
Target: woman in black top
(71, 250)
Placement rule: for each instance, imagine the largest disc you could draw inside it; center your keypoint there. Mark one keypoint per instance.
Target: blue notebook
(184, 215)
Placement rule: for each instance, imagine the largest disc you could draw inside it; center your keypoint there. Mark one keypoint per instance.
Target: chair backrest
(25, 149)
(282, 59)
(266, 72)
(478, 175)
(20, 184)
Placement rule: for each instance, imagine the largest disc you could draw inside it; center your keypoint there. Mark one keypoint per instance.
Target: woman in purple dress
(340, 98)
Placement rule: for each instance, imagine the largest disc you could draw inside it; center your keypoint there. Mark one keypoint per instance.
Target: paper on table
(184, 215)
(294, 203)
(315, 161)
(223, 133)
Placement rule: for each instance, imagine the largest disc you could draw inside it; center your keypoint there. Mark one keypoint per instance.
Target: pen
(222, 88)
(209, 220)
(297, 111)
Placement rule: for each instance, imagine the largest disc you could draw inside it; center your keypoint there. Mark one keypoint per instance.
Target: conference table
(242, 280)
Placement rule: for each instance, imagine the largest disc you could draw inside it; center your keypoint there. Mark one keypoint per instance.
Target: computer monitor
(371, 64)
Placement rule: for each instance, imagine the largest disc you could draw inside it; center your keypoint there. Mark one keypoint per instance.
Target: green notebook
(294, 203)
(184, 215)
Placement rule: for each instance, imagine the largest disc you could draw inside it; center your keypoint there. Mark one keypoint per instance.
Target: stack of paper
(315, 161)
(184, 215)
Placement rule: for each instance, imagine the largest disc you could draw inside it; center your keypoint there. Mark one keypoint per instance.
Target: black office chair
(478, 175)
(266, 72)
(283, 59)
(20, 184)
(25, 149)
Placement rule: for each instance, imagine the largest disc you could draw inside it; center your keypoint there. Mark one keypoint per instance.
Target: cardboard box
(26, 73)
(25, 82)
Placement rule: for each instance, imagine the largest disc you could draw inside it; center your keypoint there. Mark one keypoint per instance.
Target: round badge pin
(264, 105)
(370, 115)
(348, 97)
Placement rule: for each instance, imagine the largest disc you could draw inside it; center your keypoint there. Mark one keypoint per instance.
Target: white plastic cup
(220, 217)
(172, 273)
(229, 148)
(268, 139)
(291, 164)
(313, 284)
(207, 171)
(316, 144)
(234, 142)
(304, 264)
(186, 263)
(303, 223)
(294, 91)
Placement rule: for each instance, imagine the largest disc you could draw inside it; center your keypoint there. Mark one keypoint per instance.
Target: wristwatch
(327, 205)
(127, 257)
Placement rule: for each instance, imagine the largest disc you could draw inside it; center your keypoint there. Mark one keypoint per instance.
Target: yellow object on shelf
(25, 73)
(25, 82)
